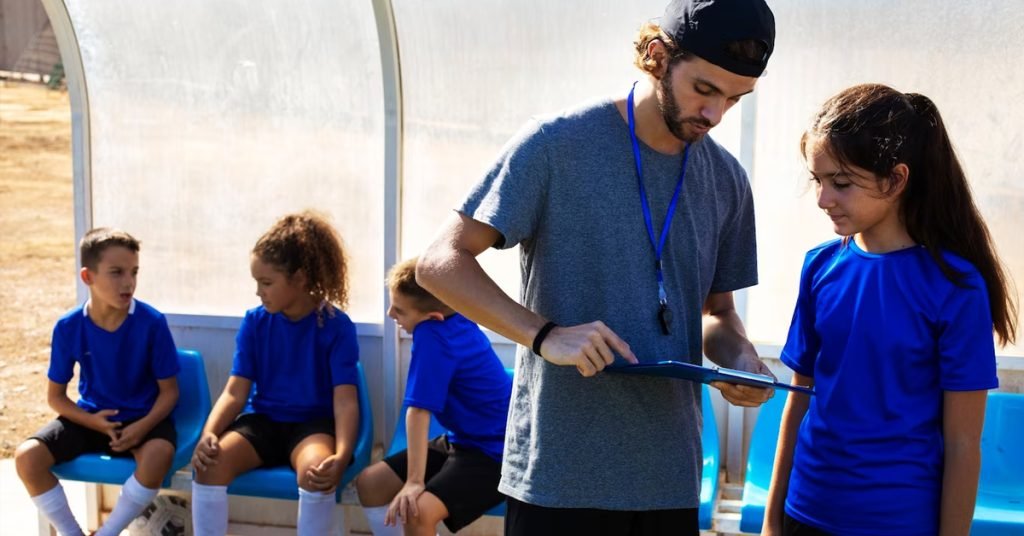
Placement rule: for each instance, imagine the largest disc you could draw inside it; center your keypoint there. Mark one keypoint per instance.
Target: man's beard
(671, 114)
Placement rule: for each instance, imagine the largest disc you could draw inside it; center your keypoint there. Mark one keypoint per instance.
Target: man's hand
(403, 506)
(207, 450)
(588, 347)
(746, 395)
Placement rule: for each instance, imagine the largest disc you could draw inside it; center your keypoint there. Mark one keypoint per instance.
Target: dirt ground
(37, 257)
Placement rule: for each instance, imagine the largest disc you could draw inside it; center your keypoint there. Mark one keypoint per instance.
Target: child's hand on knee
(326, 475)
(403, 506)
(207, 450)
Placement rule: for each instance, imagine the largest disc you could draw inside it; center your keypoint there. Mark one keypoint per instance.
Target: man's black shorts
(524, 519)
(464, 479)
(273, 440)
(67, 440)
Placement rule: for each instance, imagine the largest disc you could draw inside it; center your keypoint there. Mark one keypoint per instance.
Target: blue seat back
(399, 441)
(712, 460)
(193, 406)
(280, 482)
(1002, 445)
(1000, 504)
(189, 417)
(760, 460)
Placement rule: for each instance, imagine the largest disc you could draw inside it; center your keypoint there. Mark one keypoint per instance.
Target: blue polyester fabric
(117, 370)
(295, 366)
(455, 374)
(883, 336)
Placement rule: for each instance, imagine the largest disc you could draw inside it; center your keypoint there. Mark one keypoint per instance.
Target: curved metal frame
(78, 91)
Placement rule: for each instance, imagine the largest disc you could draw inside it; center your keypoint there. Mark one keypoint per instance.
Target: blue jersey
(455, 374)
(295, 366)
(117, 370)
(883, 336)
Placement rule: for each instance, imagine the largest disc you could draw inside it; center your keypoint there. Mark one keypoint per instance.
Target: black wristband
(541, 335)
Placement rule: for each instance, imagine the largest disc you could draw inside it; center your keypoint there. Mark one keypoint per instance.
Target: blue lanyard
(660, 244)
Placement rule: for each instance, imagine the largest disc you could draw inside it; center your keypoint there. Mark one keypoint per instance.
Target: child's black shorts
(465, 479)
(67, 440)
(273, 440)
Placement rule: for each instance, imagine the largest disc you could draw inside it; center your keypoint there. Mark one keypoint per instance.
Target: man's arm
(963, 416)
(726, 343)
(449, 270)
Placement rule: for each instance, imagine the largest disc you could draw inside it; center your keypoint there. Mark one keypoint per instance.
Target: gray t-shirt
(565, 190)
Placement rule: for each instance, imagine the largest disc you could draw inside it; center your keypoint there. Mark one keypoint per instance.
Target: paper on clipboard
(687, 371)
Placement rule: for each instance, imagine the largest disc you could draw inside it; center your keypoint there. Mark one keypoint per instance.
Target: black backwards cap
(705, 27)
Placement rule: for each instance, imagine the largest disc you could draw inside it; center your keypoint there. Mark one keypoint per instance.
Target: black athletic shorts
(792, 527)
(464, 479)
(525, 519)
(273, 440)
(67, 440)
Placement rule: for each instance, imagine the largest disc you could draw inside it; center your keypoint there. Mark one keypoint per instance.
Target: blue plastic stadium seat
(280, 482)
(999, 510)
(760, 460)
(399, 443)
(712, 460)
(189, 417)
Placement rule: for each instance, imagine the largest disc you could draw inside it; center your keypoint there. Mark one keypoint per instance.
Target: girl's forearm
(346, 420)
(959, 488)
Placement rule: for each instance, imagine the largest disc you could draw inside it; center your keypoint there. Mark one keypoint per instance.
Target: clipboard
(687, 371)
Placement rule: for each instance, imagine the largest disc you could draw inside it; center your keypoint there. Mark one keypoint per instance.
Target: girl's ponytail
(874, 127)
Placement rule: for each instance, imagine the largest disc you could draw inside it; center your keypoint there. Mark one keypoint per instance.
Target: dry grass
(37, 263)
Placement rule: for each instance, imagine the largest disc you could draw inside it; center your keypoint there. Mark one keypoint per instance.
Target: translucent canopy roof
(199, 123)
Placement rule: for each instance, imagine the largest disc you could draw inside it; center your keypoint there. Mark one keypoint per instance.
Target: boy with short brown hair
(128, 386)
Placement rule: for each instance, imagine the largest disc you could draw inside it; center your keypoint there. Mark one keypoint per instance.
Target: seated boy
(127, 366)
(455, 375)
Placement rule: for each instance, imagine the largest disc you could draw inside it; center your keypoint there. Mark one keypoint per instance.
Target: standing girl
(893, 327)
(297, 354)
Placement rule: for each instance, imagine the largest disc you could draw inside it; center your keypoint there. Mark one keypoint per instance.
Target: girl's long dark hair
(875, 127)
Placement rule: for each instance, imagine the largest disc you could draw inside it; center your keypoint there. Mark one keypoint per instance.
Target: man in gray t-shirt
(635, 228)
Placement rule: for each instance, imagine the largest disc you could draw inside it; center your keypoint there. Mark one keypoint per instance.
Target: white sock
(133, 500)
(316, 514)
(54, 505)
(375, 518)
(209, 510)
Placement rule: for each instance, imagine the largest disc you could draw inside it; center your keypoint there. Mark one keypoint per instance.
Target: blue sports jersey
(294, 366)
(883, 335)
(117, 370)
(455, 374)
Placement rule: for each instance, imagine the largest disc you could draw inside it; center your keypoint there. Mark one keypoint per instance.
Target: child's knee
(377, 485)
(431, 511)
(31, 457)
(213, 475)
(302, 477)
(366, 485)
(158, 450)
(156, 453)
